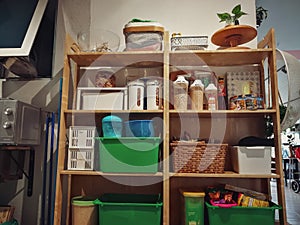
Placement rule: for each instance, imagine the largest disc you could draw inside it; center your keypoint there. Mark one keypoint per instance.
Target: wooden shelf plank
(226, 174)
(71, 111)
(118, 59)
(212, 57)
(99, 173)
(222, 113)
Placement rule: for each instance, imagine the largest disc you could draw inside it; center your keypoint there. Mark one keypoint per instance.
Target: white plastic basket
(82, 137)
(81, 159)
(189, 42)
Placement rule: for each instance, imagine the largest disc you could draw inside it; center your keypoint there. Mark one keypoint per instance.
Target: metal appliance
(20, 123)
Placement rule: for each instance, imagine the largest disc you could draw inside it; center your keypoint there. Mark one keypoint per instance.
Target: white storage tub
(93, 98)
(251, 160)
(143, 36)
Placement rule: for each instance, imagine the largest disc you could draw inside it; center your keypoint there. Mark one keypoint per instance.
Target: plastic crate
(129, 154)
(129, 209)
(189, 42)
(193, 207)
(82, 137)
(238, 215)
(81, 159)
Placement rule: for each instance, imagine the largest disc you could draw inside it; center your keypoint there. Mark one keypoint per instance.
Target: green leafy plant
(232, 18)
(261, 14)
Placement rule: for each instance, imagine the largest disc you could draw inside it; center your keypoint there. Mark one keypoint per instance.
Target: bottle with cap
(136, 94)
(180, 93)
(196, 92)
(211, 93)
(153, 91)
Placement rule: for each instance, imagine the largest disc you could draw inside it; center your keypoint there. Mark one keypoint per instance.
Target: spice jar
(196, 92)
(211, 93)
(180, 93)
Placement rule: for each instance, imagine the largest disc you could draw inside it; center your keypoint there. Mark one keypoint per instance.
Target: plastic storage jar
(196, 91)
(136, 94)
(211, 93)
(153, 94)
(180, 93)
(112, 126)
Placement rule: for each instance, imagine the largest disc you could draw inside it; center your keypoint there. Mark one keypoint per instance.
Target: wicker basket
(198, 157)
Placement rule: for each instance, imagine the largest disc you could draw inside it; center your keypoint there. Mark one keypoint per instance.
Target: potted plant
(232, 19)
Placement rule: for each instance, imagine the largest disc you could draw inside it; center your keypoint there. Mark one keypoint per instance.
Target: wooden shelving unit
(237, 124)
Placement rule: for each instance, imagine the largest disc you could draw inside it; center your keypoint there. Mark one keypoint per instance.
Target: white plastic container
(136, 91)
(196, 92)
(153, 94)
(180, 93)
(81, 147)
(251, 160)
(94, 98)
(211, 94)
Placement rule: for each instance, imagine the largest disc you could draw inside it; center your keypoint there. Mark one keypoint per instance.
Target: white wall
(189, 17)
(283, 16)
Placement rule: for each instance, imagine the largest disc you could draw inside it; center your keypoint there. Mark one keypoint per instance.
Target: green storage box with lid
(238, 215)
(84, 211)
(129, 154)
(192, 207)
(129, 209)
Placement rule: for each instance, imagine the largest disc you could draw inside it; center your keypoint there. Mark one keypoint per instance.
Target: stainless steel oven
(20, 123)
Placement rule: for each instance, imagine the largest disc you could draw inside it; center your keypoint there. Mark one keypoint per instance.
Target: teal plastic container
(238, 215)
(112, 126)
(129, 209)
(129, 154)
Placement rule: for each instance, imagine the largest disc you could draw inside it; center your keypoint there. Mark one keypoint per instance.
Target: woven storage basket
(198, 157)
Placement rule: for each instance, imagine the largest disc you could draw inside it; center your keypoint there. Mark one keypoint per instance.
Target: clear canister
(153, 94)
(180, 93)
(211, 93)
(136, 95)
(196, 92)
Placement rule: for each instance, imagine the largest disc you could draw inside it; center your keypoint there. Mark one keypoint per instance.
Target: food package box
(242, 83)
(251, 160)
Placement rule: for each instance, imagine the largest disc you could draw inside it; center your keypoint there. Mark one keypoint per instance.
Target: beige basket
(198, 157)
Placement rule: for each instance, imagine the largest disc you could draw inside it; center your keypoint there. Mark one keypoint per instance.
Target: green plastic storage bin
(129, 154)
(239, 215)
(12, 222)
(193, 207)
(129, 209)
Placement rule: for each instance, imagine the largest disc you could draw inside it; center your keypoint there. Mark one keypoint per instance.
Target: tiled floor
(292, 204)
